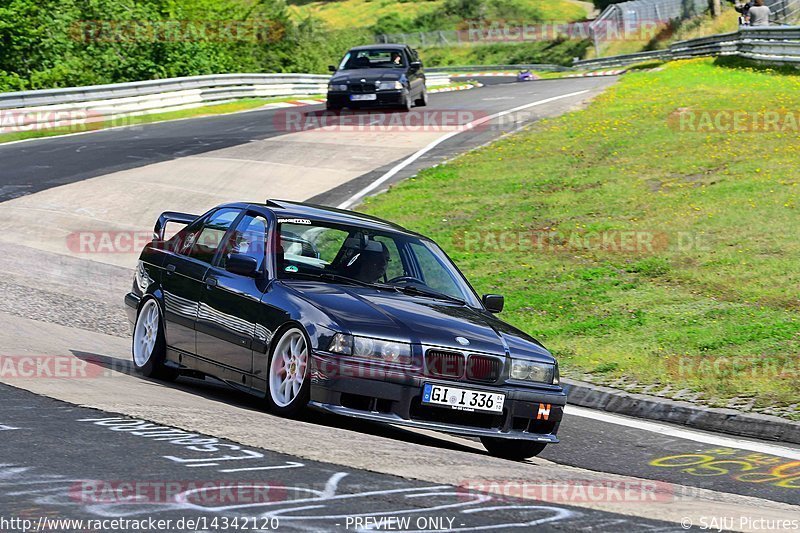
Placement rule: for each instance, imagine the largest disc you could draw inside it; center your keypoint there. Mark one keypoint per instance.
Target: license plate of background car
(360, 97)
(463, 399)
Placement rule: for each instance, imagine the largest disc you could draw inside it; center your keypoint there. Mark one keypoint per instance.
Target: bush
(555, 52)
(54, 43)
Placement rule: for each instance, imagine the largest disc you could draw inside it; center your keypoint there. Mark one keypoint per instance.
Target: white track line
(696, 436)
(265, 107)
(471, 125)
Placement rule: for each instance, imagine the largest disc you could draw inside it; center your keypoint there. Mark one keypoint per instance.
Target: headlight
(372, 349)
(388, 85)
(531, 371)
(337, 86)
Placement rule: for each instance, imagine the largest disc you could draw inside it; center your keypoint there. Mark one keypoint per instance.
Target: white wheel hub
(145, 333)
(287, 370)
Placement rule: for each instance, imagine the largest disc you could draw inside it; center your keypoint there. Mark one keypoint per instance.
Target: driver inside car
(369, 263)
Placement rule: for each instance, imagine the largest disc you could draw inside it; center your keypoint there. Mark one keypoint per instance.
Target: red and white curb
(294, 103)
(598, 73)
(463, 87)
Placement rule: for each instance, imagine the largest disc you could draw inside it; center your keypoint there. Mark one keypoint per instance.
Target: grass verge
(633, 249)
(209, 110)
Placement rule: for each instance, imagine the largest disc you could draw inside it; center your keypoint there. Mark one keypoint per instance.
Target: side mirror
(415, 66)
(493, 302)
(331, 68)
(244, 265)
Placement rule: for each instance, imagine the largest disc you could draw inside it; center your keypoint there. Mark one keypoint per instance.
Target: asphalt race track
(72, 444)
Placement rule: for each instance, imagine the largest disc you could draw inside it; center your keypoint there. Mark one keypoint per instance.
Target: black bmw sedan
(304, 305)
(385, 75)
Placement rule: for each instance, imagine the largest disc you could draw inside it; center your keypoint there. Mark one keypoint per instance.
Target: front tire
(288, 385)
(422, 101)
(515, 450)
(408, 103)
(149, 349)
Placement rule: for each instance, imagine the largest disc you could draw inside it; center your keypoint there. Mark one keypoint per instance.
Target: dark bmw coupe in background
(385, 75)
(307, 305)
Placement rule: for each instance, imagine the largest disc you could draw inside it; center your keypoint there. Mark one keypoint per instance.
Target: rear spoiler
(170, 216)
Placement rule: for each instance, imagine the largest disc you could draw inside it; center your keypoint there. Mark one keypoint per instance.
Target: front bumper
(386, 98)
(131, 308)
(374, 393)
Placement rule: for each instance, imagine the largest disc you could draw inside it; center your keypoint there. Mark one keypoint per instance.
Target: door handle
(211, 283)
(170, 269)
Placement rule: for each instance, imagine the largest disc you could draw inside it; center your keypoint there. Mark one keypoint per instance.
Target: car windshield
(359, 256)
(372, 58)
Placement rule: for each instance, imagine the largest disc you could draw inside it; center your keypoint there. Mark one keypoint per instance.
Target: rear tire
(515, 450)
(149, 348)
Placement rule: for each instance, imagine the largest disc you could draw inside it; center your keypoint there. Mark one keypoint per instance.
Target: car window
(394, 267)
(332, 252)
(314, 246)
(373, 58)
(433, 273)
(249, 238)
(203, 244)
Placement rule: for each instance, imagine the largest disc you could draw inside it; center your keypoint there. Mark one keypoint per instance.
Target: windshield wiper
(331, 276)
(414, 289)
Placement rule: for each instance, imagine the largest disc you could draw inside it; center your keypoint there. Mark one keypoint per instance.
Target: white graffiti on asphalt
(191, 442)
(305, 505)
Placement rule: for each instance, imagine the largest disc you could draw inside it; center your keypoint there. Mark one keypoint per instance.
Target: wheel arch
(155, 293)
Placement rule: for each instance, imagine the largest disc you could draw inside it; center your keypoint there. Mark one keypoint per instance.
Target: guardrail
(778, 44)
(106, 102)
(497, 68)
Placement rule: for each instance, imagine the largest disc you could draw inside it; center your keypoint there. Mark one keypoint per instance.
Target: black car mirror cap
(241, 264)
(493, 303)
(331, 68)
(416, 65)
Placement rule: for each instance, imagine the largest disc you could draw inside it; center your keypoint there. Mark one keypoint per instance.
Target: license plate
(463, 399)
(362, 97)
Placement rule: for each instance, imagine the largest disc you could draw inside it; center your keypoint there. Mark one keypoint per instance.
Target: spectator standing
(759, 14)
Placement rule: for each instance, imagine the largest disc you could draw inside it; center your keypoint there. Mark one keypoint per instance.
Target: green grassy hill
(428, 15)
(705, 295)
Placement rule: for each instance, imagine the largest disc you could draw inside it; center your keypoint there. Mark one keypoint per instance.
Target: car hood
(368, 74)
(397, 316)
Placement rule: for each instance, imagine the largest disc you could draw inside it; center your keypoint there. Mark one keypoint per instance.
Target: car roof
(389, 46)
(321, 213)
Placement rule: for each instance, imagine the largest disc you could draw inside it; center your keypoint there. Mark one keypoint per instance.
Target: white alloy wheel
(287, 370)
(145, 334)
